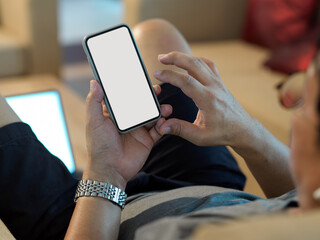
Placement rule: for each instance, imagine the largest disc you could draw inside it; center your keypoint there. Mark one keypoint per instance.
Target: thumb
(181, 128)
(94, 99)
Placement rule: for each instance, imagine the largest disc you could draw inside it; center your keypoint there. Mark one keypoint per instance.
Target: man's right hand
(221, 120)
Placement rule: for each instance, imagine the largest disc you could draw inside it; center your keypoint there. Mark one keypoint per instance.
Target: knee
(155, 26)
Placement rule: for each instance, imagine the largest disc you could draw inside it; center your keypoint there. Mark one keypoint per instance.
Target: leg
(174, 162)
(37, 190)
(155, 37)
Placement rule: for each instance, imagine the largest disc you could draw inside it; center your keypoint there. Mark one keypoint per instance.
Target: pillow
(296, 56)
(274, 23)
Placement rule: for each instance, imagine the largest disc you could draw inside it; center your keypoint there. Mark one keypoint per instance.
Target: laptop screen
(44, 114)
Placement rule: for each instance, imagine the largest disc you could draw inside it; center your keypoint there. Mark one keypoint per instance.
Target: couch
(28, 37)
(212, 33)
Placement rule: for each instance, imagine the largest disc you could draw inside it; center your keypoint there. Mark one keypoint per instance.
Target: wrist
(257, 143)
(105, 175)
(246, 133)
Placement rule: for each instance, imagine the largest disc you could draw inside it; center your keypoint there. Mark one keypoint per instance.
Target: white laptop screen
(43, 112)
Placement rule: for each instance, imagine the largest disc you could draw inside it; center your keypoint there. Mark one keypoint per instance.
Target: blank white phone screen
(44, 114)
(123, 79)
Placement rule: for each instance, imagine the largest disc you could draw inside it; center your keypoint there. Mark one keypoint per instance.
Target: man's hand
(113, 157)
(221, 119)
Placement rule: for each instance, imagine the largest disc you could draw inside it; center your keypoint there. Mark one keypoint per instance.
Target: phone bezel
(93, 66)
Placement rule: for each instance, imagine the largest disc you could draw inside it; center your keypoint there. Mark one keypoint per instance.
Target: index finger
(195, 66)
(189, 85)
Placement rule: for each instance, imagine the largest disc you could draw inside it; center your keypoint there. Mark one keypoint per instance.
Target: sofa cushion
(12, 55)
(198, 20)
(279, 226)
(4, 232)
(295, 57)
(289, 26)
(274, 23)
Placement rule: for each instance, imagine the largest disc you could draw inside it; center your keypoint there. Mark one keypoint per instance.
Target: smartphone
(117, 64)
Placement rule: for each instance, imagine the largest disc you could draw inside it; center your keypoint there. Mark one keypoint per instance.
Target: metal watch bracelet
(90, 188)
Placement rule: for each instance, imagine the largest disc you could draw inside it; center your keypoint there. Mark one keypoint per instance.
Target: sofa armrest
(34, 23)
(264, 227)
(200, 20)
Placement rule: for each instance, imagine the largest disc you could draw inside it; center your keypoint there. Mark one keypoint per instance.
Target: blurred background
(256, 44)
(76, 19)
(44, 36)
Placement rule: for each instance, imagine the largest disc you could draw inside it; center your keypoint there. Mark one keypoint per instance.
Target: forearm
(94, 218)
(266, 157)
(114, 158)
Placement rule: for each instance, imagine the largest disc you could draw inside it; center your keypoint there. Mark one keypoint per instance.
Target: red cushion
(274, 23)
(294, 57)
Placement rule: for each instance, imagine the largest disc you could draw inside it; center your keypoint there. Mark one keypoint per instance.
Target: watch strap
(90, 188)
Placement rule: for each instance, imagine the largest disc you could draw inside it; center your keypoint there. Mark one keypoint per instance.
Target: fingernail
(167, 130)
(161, 56)
(156, 87)
(157, 73)
(92, 85)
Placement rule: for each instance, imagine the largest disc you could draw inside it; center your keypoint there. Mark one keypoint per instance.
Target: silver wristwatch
(90, 188)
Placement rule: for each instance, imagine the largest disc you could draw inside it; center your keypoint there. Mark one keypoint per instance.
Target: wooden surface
(74, 107)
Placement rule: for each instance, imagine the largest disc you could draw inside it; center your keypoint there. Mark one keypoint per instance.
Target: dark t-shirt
(174, 214)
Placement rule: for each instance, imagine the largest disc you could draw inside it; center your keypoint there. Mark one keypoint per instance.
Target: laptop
(44, 113)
